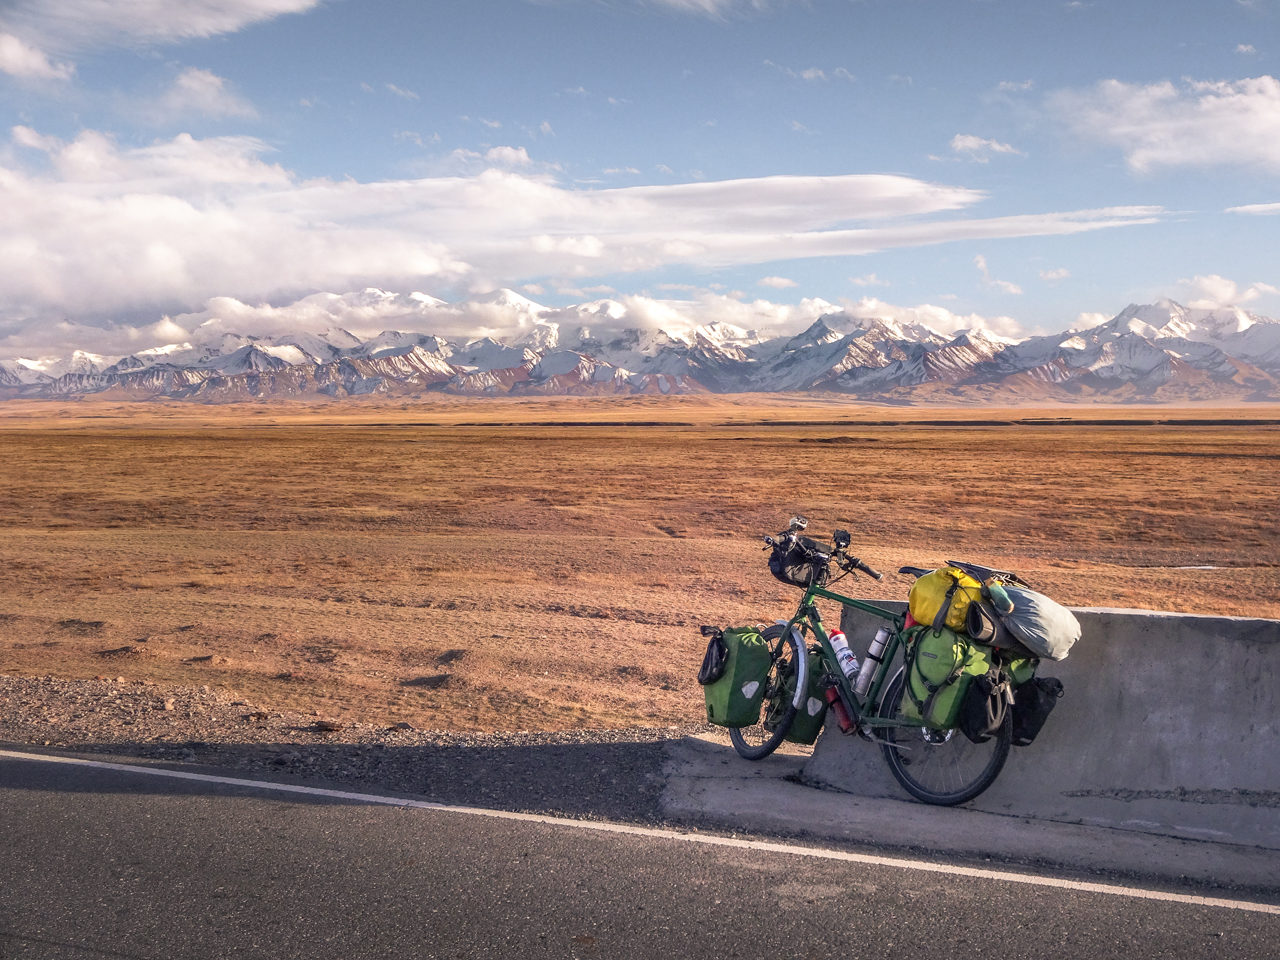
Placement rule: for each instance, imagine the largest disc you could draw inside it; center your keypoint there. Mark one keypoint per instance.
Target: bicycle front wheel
(777, 709)
(941, 767)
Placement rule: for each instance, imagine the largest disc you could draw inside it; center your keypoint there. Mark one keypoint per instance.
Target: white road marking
(653, 832)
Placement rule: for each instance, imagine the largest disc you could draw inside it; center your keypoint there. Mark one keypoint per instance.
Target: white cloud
(1004, 286)
(1247, 49)
(201, 92)
(508, 156)
(402, 92)
(19, 59)
(1059, 273)
(1192, 124)
(500, 156)
(81, 24)
(94, 228)
(1212, 291)
(778, 283)
(978, 149)
(1257, 209)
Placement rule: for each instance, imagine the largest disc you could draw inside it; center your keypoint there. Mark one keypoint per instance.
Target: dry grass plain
(544, 564)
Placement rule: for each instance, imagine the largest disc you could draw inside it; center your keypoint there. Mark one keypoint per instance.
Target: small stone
(402, 725)
(329, 726)
(170, 703)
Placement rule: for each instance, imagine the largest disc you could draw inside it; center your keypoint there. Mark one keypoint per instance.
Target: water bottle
(844, 656)
(875, 654)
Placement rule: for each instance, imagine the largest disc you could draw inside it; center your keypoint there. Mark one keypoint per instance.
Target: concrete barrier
(1170, 724)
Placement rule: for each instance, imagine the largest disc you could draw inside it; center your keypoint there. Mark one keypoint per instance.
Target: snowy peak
(248, 359)
(394, 343)
(323, 347)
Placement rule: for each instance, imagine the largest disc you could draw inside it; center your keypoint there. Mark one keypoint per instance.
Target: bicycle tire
(758, 740)
(940, 767)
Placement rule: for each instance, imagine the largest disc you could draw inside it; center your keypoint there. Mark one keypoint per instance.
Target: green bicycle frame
(809, 621)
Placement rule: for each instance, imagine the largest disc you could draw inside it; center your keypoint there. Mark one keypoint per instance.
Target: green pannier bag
(940, 667)
(734, 700)
(813, 708)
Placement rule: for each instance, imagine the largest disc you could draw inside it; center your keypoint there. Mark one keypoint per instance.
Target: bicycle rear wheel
(777, 711)
(941, 767)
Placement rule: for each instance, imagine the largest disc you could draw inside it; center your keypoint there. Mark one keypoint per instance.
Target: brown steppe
(482, 565)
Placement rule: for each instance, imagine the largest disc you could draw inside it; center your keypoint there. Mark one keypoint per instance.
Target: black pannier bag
(1032, 704)
(983, 708)
(801, 564)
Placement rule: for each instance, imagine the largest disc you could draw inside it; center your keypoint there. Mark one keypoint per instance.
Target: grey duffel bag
(1045, 627)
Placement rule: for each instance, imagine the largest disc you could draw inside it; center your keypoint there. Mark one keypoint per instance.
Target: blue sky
(989, 162)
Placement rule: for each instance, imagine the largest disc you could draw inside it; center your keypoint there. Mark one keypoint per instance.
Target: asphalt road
(102, 863)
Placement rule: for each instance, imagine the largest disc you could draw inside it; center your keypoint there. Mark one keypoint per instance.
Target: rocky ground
(608, 774)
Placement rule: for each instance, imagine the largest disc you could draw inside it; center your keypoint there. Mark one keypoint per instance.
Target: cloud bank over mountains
(99, 229)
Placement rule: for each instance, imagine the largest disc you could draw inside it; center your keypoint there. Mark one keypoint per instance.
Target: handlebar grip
(869, 572)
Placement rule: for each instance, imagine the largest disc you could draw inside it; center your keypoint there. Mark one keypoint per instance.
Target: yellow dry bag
(947, 589)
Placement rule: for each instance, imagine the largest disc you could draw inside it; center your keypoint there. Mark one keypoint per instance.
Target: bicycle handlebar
(850, 564)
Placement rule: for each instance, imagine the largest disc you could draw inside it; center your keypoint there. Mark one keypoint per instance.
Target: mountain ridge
(1156, 352)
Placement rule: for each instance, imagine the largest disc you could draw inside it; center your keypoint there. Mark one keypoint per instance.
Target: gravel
(593, 774)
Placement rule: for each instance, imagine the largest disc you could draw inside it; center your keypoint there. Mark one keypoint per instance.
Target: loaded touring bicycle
(944, 700)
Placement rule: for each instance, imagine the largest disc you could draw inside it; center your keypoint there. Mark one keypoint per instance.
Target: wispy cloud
(1054, 275)
(1004, 286)
(812, 74)
(717, 8)
(87, 24)
(402, 92)
(1256, 209)
(1190, 124)
(777, 283)
(979, 150)
(869, 280)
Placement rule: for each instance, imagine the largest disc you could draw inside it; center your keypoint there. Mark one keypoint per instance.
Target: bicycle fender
(802, 669)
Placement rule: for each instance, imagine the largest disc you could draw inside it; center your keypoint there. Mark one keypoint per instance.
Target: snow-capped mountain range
(1157, 352)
